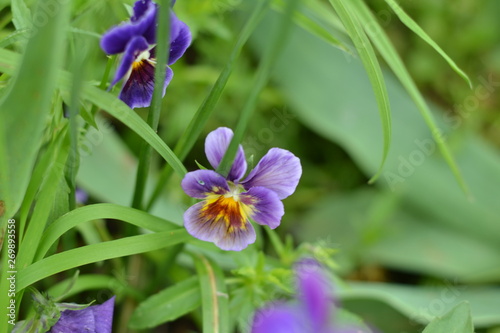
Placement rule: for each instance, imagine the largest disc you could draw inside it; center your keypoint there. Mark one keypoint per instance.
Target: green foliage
(341, 84)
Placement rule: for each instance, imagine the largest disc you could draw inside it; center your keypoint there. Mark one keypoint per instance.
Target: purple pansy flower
(223, 217)
(136, 40)
(95, 319)
(312, 312)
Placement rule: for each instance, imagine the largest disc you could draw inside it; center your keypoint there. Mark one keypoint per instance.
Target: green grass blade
(457, 320)
(313, 27)
(43, 207)
(99, 211)
(263, 71)
(21, 15)
(162, 48)
(167, 305)
(413, 26)
(388, 52)
(195, 127)
(214, 296)
(372, 66)
(98, 252)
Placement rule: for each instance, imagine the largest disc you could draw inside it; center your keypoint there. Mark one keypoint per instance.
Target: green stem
(195, 127)
(268, 60)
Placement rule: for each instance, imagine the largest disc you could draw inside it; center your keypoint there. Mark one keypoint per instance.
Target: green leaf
(21, 15)
(195, 127)
(372, 66)
(214, 296)
(413, 26)
(29, 95)
(97, 252)
(389, 53)
(423, 304)
(457, 320)
(266, 65)
(167, 305)
(99, 211)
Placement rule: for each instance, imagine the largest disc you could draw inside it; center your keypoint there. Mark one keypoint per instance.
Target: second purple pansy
(136, 39)
(223, 217)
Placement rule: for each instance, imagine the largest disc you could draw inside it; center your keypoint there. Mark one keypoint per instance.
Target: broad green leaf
(214, 296)
(98, 252)
(372, 66)
(30, 93)
(388, 52)
(423, 304)
(457, 320)
(167, 305)
(99, 211)
(413, 26)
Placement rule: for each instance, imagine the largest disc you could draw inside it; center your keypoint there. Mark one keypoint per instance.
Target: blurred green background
(414, 244)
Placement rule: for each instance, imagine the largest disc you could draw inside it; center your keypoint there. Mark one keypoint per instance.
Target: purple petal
(180, 39)
(200, 183)
(315, 292)
(238, 239)
(140, 8)
(103, 315)
(116, 39)
(279, 318)
(267, 208)
(220, 220)
(279, 170)
(134, 48)
(216, 145)
(96, 318)
(138, 90)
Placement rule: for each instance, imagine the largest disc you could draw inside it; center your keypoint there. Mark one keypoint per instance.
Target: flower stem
(162, 53)
(266, 65)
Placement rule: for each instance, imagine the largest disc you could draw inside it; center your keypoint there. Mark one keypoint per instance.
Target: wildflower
(95, 318)
(228, 203)
(312, 312)
(137, 40)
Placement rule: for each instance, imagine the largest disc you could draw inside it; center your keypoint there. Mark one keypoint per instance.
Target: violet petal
(200, 183)
(279, 170)
(134, 48)
(267, 208)
(216, 145)
(138, 90)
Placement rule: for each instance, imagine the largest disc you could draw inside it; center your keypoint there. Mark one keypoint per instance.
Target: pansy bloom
(95, 318)
(313, 311)
(136, 39)
(223, 217)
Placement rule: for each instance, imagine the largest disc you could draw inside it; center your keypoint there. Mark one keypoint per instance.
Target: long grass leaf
(413, 26)
(98, 252)
(372, 66)
(388, 52)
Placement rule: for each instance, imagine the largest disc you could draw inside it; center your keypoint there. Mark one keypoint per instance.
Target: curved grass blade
(195, 127)
(214, 297)
(390, 55)
(372, 66)
(413, 26)
(98, 252)
(263, 71)
(100, 211)
(167, 305)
